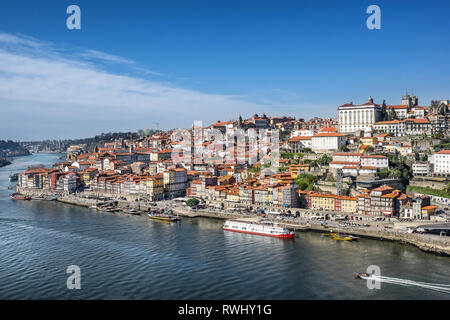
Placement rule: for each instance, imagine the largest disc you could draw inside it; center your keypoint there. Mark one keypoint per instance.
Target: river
(131, 257)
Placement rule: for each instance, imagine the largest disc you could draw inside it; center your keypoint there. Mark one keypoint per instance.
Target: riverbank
(427, 243)
(4, 162)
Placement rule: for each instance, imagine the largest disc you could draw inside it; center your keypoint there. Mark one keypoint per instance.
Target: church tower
(414, 100)
(406, 100)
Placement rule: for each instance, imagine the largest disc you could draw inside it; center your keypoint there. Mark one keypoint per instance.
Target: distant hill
(4, 162)
(12, 149)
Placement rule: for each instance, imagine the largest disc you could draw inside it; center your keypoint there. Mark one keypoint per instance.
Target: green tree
(324, 160)
(392, 115)
(305, 181)
(192, 202)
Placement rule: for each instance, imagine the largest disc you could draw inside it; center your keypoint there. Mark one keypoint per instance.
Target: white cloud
(46, 92)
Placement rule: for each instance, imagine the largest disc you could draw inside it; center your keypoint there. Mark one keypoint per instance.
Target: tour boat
(264, 228)
(163, 217)
(343, 237)
(16, 196)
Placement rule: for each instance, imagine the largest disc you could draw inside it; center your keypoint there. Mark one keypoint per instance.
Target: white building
(442, 162)
(302, 133)
(352, 118)
(327, 141)
(401, 111)
(347, 157)
(394, 127)
(296, 144)
(422, 168)
(69, 182)
(376, 161)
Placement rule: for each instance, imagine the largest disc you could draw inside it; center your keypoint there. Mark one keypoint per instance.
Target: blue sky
(135, 63)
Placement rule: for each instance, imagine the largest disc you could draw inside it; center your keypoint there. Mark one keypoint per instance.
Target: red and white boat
(263, 228)
(16, 196)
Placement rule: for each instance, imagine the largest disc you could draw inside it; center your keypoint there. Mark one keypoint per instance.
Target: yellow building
(233, 195)
(369, 141)
(297, 169)
(322, 201)
(428, 211)
(332, 202)
(155, 187)
(345, 204)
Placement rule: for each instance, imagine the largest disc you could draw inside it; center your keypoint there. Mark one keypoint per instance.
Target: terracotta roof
(350, 154)
(293, 139)
(401, 106)
(375, 156)
(424, 120)
(328, 134)
(388, 122)
(343, 162)
(328, 129)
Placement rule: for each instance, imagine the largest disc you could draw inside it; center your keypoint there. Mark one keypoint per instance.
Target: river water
(131, 257)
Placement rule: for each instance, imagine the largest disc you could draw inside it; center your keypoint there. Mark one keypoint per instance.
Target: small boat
(131, 211)
(361, 275)
(163, 217)
(16, 196)
(343, 237)
(109, 209)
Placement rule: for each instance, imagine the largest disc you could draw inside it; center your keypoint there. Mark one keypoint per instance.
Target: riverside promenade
(429, 243)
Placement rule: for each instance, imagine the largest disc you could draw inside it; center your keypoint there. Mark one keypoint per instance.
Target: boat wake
(445, 288)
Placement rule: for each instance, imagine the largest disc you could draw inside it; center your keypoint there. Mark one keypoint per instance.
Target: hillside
(12, 149)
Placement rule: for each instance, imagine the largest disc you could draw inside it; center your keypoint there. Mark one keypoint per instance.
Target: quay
(426, 242)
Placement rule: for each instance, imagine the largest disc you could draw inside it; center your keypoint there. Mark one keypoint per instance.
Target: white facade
(69, 183)
(352, 118)
(401, 111)
(422, 169)
(347, 157)
(327, 141)
(302, 133)
(395, 127)
(375, 161)
(442, 162)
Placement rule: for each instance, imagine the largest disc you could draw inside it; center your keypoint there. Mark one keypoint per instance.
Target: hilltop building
(353, 118)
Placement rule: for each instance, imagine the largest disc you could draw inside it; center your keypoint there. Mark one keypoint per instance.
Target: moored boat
(16, 196)
(343, 237)
(131, 211)
(165, 216)
(263, 228)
